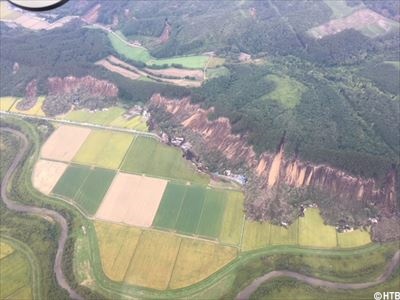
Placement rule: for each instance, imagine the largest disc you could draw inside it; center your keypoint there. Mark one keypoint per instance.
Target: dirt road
(43, 212)
(250, 289)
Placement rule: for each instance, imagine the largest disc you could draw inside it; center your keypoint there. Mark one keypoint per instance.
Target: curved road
(43, 212)
(250, 289)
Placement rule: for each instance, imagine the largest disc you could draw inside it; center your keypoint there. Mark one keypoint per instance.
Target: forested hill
(324, 72)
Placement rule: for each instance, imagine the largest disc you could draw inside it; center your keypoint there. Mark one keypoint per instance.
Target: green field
(354, 238)
(143, 55)
(233, 219)
(256, 235)
(190, 213)
(150, 157)
(104, 149)
(314, 233)
(212, 215)
(71, 181)
(15, 276)
(170, 205)
(280, 235)
(287, 90)
(94, 188)
(112, 116)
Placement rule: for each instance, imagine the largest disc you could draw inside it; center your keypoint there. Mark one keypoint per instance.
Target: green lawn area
(71, 181)
(314, 233)
(287, 90)
(354, 238)
(150, 157)
(168, 211)
(94, 188)
(15, 277)
(212, 214)
(233, 219)
(137, 123)
(143, 55)
(285, 236)
(190, 213)
(340, 8)
(104, 149)
(134, 53)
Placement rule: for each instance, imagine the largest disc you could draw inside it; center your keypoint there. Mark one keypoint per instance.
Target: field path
(250, 289)
(43, 212)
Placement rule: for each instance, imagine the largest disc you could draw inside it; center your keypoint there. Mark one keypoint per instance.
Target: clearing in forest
(132, 200)
(64, 143)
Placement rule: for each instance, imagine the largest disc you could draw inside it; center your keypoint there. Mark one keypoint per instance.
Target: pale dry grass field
(46, 174)
(132, 200)
(64, 143)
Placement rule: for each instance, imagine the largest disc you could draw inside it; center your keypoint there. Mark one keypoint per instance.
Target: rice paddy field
(85, 186)
(133, 256)
(15, 274)
(112, 116)
(104, 149)
(200, 211)
(150, 157)
(143, 55)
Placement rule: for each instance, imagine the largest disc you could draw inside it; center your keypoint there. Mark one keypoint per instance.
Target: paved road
(250, 289)
(43, 212)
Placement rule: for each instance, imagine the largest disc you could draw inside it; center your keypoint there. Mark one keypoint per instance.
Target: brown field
(154, 259)
(64, 143)
(132, 200)
(197, 260)
(198, 74)
(358, 20)
(46, 174)
(117, 69)
(113, 61)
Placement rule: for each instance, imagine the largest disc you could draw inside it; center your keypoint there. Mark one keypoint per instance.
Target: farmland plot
(233, 219)
(71, 181)
(46, 174)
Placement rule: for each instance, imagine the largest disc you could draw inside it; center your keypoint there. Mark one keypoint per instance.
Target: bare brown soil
(46, 174)
(64, 143)
(117, 69)
(132, 200)
(175, 72)
(92, 15)
(357, 20)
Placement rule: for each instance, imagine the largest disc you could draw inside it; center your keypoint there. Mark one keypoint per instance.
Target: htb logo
(38, 5)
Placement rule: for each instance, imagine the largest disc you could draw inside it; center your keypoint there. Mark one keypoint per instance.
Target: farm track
(43, 212)
(316, 282)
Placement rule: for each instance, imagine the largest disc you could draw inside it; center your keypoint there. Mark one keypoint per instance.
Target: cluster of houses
(135, 111)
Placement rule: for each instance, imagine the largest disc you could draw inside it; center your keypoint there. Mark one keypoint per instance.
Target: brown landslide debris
(274, 168)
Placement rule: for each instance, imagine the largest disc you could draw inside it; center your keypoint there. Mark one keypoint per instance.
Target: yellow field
(314, 233)
(355, 238)
(137, 123)
(154, 260)
(197, 260)
(36, 110)
(6, 13)
(6, 102)
(5, 249)
(104, 149)
(117, 244)
(256, 235)
(99, 117)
